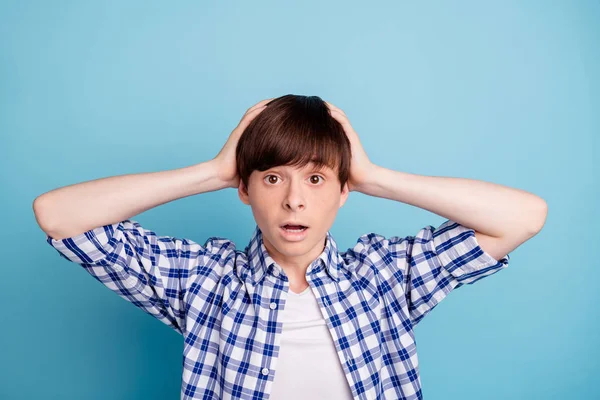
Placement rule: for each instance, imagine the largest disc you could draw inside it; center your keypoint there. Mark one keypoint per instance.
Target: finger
(340, 116)
(251, 114)
(335, 108)
(264, 102)
(343, 120)
(260, 104)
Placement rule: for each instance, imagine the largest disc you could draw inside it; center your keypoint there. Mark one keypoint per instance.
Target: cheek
(264, 208)
(331, 200)
(333, 205)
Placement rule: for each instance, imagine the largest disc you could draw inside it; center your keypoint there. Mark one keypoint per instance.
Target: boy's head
(293, 161)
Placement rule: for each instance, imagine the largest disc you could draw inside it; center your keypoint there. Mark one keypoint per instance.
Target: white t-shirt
(308, 366)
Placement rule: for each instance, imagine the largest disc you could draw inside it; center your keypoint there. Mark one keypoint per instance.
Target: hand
(225, 160)
(360, 166)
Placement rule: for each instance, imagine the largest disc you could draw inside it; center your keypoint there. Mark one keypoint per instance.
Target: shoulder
(219, 245)
(372, 243)
(372, 252)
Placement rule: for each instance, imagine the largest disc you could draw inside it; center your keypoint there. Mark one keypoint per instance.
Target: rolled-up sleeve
(435, 261)
(148, 270)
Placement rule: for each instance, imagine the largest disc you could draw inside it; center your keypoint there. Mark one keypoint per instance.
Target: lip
(293, 236)
(293, 223)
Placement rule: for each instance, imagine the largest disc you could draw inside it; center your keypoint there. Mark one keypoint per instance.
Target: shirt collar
(260, 262)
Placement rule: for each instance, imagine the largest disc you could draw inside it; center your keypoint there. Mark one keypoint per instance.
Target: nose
(294, 199)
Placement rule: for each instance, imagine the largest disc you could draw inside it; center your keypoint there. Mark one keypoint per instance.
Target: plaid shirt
(225, 302)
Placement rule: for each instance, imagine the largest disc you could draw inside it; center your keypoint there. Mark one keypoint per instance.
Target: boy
(290, 316)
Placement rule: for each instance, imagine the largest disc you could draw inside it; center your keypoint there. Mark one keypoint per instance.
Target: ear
(243, 193)
(344, 194)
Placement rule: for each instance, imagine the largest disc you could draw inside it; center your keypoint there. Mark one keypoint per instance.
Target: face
(303, 196)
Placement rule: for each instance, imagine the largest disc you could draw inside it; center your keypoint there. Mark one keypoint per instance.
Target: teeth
(294, 230)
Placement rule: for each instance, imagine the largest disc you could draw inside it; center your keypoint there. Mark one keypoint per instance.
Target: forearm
(74, 209)
(489, 208)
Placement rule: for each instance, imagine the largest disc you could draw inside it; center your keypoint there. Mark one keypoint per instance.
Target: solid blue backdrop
(505, 91)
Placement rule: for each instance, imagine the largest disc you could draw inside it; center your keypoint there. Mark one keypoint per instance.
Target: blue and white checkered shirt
(225, 302)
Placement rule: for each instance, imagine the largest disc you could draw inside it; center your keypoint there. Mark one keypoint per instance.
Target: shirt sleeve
(437, 260)
(148, 270)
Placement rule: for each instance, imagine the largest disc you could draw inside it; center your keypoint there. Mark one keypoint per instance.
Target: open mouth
(294, 228)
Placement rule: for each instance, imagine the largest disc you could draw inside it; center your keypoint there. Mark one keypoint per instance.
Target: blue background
(505, 91)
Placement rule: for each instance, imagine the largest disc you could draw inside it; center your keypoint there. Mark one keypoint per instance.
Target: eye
(267, 177)
(318, 176)
(270, 181)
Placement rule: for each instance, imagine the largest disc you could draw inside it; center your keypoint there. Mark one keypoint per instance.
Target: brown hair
(294, 130)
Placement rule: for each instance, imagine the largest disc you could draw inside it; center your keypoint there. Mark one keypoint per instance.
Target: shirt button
(265, 371)
(273, 306)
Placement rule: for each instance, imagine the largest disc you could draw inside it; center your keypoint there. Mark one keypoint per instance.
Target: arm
(485, 223)
(502, 217)
(74, 209)
(88, 224)
(71, 210)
